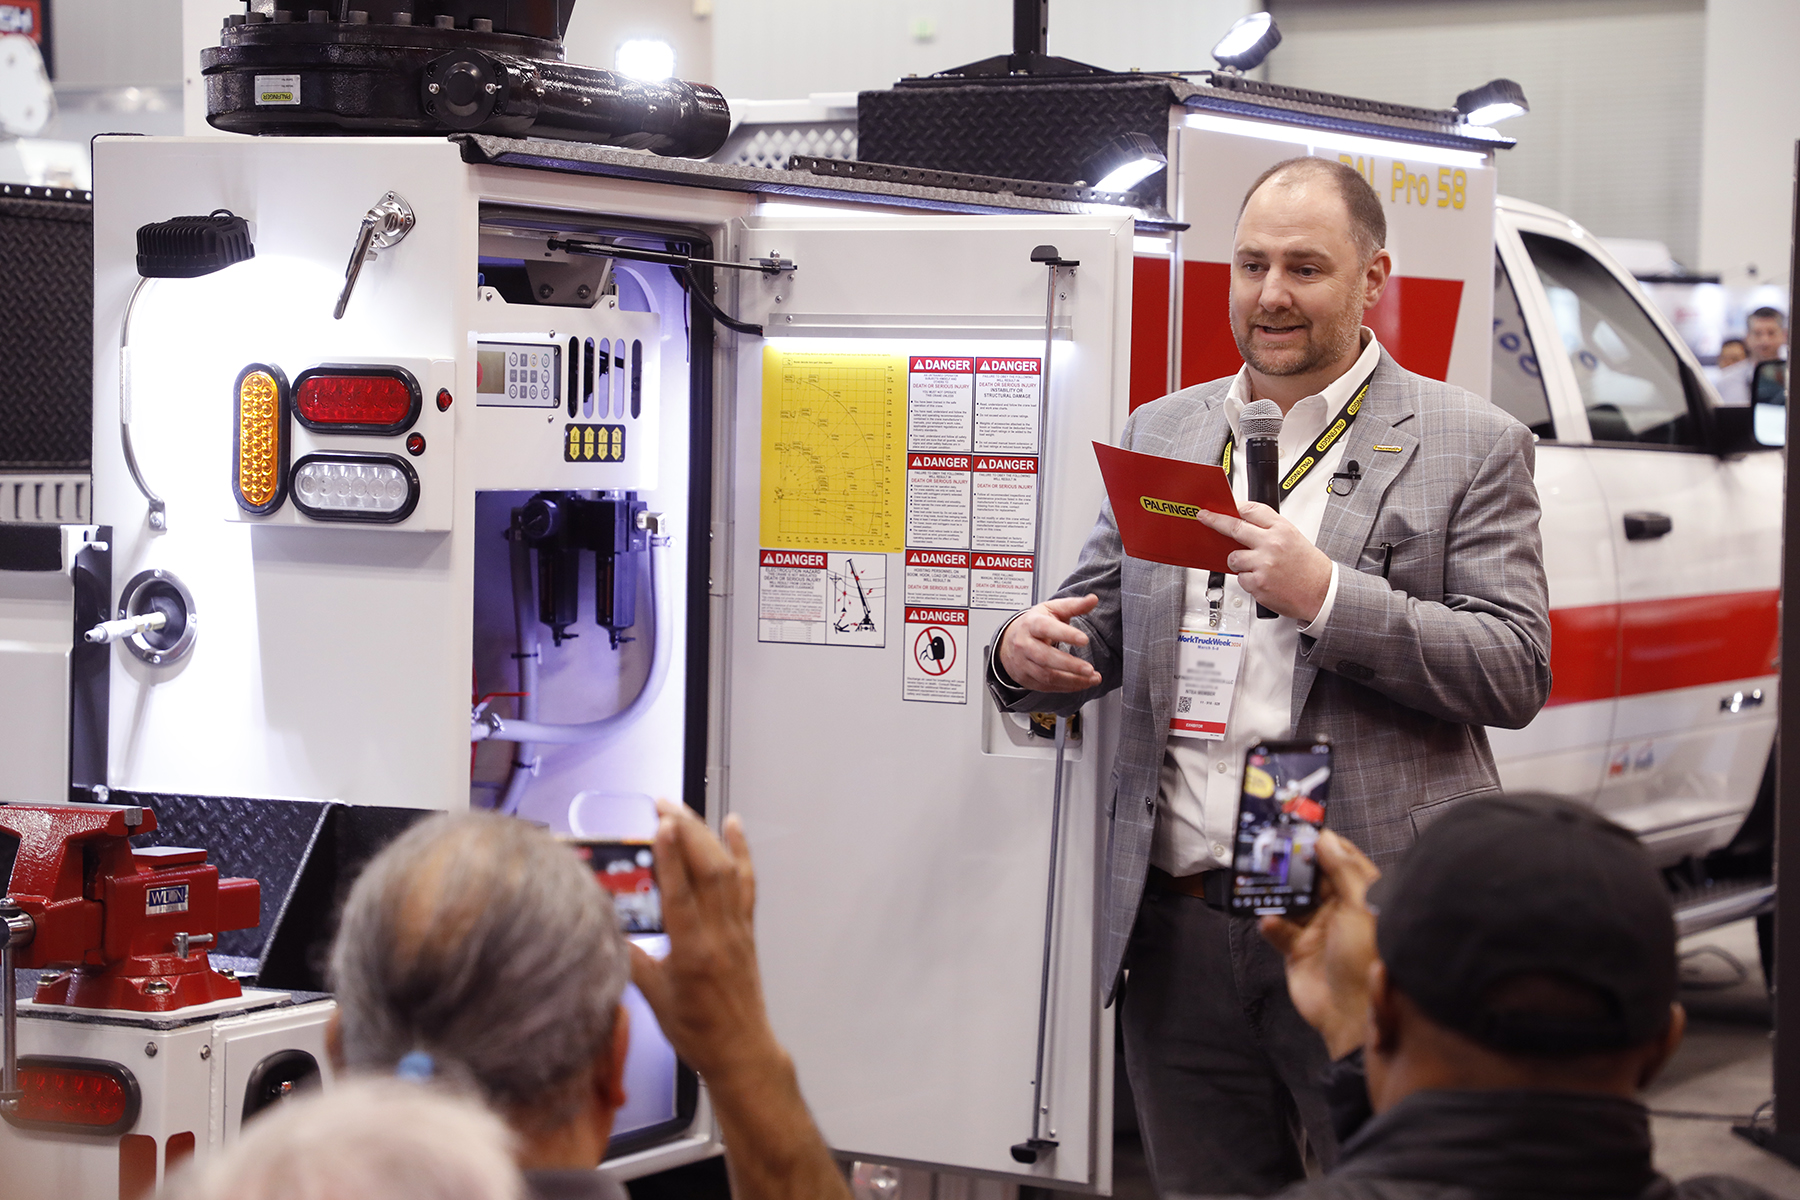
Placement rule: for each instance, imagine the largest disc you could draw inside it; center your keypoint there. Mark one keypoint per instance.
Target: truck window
(1630, 379)
(1518, 383)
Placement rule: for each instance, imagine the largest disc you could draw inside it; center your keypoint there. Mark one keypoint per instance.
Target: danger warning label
(821, 598)
(937, 655)
(938, 577)
(940, 403)
(1001, 581)
(1006, 405)
(937, 500)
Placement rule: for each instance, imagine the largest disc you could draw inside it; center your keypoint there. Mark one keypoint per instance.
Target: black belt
(1212, 887)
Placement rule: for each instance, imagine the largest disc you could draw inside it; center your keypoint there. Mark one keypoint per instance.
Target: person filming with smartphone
(1388, 600)
(1494, 1004)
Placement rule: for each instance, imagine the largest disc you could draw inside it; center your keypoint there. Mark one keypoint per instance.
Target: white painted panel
(307, 678)
(901, 868)
(34, 712)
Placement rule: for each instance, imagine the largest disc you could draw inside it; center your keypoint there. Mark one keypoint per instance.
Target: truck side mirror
(1737, 430)
(1768, 403)
(1740, 429)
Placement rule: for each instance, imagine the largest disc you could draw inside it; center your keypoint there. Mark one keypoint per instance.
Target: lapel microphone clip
(1345, 481)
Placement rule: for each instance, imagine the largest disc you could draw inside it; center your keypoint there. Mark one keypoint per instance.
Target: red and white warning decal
(937, 655)
(1003, 502)
(940, 402)
(938, 578)
(822, 597)
(1006, 405)
(937, 500)
(1001, 581)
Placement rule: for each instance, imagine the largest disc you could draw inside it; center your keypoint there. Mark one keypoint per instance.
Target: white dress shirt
(1198, 797)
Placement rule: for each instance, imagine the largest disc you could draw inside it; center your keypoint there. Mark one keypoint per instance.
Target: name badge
(1207, 674)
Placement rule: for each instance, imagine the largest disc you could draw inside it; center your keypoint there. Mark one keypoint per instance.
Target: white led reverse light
(355, 487)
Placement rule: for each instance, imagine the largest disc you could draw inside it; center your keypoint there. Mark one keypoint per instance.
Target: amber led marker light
(260, 470)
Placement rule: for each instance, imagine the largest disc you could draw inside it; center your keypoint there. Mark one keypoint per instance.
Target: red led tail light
(75, 1095)
(357, 399)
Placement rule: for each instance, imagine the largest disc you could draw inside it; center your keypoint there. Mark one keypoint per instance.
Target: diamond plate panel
(1023, 131)
(47, 311)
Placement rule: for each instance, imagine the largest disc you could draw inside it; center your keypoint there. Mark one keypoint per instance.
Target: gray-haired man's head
(363, 1140)
(485, 943)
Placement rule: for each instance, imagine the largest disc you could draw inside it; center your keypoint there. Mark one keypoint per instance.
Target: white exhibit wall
(1750, 123)
(1613, 136)
(789, 49)
(599, 27)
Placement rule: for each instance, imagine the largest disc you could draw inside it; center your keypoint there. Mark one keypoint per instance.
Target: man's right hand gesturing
(1029, 650)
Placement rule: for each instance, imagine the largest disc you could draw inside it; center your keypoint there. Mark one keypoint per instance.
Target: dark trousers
(1224, 1072)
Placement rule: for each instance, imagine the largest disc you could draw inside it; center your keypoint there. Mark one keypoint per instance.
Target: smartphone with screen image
(1281, 809)
(627, 870)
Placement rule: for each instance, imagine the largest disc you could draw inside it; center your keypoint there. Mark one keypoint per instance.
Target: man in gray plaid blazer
(1407, 572)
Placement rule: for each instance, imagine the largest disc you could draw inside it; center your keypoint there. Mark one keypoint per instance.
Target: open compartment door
(895, 496)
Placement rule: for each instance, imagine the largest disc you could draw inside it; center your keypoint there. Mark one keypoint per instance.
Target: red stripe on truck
(1602, 650)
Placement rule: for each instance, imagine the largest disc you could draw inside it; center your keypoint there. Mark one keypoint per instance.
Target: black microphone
(1259, 432)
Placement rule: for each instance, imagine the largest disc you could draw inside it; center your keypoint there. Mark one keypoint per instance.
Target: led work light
(1247, 42)
(1123, 163)
(1495, 100)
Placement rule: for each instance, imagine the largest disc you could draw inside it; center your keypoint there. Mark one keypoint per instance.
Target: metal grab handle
(1037, 1145)
(16, 929)
(387, 223)
(159, 519)
(1048, 256)
(358, 255)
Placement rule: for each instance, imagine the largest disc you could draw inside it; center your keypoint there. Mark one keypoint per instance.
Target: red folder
(1154, 500)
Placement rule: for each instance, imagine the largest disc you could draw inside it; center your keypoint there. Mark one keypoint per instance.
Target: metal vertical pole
(1043, 432)
(1038, 1144)
(1048, 257)
(1787, 815)
(9, 1027)
(1031, 32)
(16, 929)
(1784, 1138)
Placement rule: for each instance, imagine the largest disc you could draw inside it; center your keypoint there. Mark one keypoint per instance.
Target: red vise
(121, 927)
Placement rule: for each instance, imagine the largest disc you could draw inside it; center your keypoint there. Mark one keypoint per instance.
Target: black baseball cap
(1525, 885)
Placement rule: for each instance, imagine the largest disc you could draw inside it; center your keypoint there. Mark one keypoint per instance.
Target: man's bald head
(1368, 222)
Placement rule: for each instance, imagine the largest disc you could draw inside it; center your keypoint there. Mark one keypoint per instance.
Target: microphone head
(1260, 419)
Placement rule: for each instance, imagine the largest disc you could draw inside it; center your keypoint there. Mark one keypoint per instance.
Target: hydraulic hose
(492, 726)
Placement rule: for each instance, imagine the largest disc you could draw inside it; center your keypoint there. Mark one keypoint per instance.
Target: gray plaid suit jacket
(1410, 667)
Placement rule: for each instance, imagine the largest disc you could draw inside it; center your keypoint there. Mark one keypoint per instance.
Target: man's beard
(1317, 352)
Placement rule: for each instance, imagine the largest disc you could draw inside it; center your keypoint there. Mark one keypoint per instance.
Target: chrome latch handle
(385, 224)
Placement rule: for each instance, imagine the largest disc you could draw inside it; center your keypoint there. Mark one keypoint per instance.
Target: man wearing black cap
(1505, 990)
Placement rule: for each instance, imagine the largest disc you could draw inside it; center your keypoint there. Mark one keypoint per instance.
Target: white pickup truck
(1662, 537)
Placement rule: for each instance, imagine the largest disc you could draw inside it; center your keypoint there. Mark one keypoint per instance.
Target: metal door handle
(1643, 526)
(386, 223)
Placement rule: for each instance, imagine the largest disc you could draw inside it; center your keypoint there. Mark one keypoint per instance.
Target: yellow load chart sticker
(834, 451)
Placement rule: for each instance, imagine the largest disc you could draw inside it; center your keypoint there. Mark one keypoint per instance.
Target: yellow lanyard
(1335, 430)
